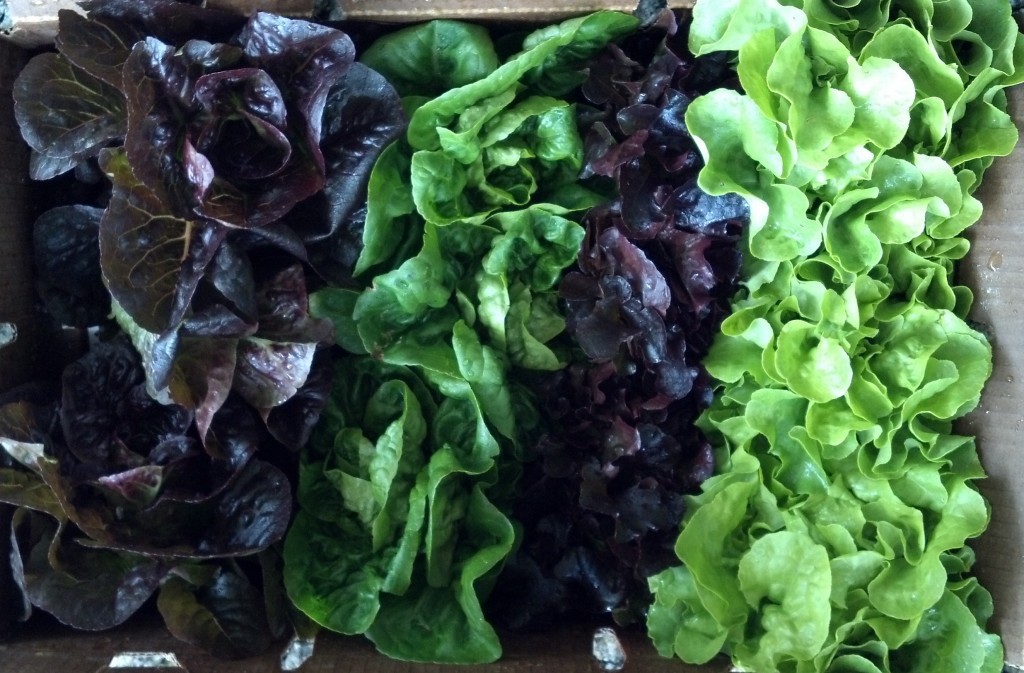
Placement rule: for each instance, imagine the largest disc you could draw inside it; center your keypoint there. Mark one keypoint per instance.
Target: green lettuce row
(860, 498)
(833, 539)
(803, 142)
(403, 490)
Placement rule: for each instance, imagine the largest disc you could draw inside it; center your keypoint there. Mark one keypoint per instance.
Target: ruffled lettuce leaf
(84, 587)
(562, 49)
(268, 362)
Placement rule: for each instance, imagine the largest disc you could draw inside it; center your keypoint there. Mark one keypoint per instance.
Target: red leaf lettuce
(603, 502)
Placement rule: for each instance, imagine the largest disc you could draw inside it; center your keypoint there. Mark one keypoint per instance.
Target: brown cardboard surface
(995, 270)
(411, 10)
(46, 648)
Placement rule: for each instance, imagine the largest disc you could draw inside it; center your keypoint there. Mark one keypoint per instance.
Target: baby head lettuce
(223, 131)
(115, 493)
(497, 138)
(395, 537)
(132, 474)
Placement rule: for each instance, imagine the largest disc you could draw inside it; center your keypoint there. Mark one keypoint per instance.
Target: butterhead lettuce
(833, 539)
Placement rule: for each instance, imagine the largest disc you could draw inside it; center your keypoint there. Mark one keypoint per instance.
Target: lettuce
(858, 141)
(219, 142)
(115, 497)
(502, 141)
(603, 498)
(429, 60)
(405, 488)
(384, 478)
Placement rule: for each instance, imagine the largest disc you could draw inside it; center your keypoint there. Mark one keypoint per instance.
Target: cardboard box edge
(32, 25)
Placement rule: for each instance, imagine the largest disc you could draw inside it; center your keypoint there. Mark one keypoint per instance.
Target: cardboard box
(33, 23)
(994, 269)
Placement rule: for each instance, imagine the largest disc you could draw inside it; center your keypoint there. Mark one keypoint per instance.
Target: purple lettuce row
(226, 160)
(223, 141)
(110, 497)
(603, 501)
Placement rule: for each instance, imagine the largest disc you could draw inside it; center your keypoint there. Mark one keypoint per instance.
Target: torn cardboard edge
(32, 24)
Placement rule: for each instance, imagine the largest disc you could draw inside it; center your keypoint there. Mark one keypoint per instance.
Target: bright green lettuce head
(496, 137)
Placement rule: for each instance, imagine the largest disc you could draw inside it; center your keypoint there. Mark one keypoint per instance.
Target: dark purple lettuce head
(108, 497)
(71, 104)
(223, 120)
(205, 124)
(210, 129)
(231, 132)
(220, 117)
(133, 475)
